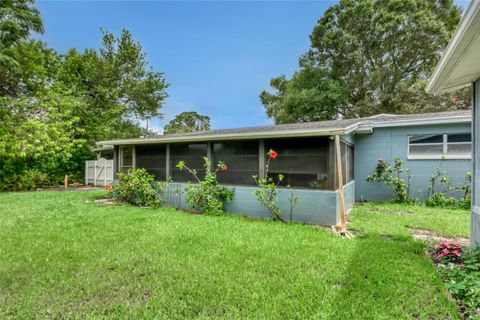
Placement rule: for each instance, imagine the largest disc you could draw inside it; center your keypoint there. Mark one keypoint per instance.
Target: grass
(63, 256)
(394, 219)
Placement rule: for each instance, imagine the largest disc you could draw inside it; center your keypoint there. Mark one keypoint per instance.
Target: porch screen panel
(192, 154)
(241, 158)
(302, 161)
(153, 159)
(347, 162)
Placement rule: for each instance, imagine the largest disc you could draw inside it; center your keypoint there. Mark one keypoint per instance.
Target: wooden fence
(99, 172)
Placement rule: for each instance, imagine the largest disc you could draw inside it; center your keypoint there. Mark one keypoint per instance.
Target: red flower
(224, 167)
(108, 188)
(272, 154)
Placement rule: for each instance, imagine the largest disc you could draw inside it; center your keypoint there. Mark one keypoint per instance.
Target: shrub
(392, 177)
(207, 196)
(29, 179)
(441, 198)
(139, 188)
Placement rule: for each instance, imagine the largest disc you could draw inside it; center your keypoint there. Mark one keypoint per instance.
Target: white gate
(99, 173)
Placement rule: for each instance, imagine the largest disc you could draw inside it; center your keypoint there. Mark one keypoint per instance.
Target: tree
(54, 107)
(309, 96)
(117, 86)
(187, 122)
(373, 56)
(17, 19)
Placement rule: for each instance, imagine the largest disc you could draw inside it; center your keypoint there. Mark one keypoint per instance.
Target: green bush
(139, 188)
(207, 195)
(441, 198)
(29, 179)
(392, 176)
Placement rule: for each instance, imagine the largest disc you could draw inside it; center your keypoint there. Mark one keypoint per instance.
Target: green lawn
(63, 256)
(394, 219)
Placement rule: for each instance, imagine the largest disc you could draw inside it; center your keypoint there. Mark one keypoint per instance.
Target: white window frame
(120, 158)
(445, 144)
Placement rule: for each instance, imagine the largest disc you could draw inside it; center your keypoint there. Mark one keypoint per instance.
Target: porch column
(168, 166)
(475, 215)
(340, 183)
(261, 159)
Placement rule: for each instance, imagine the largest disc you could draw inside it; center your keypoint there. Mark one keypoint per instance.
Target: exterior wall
(319, 207)
(475, 215)
(388, 143)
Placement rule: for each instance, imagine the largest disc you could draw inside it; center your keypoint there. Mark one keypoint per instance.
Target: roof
(319, 128)
(459, 65)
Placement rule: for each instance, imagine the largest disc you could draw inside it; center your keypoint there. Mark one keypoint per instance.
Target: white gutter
(457, 47)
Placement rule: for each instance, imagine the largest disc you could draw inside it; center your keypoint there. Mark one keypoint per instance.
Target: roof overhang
(460, 63)
(228, 136)
(363, 126)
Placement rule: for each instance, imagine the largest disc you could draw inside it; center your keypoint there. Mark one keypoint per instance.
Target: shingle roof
(316, 128)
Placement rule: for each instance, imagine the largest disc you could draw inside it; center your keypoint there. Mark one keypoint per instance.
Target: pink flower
(460, 265)
(456, 252)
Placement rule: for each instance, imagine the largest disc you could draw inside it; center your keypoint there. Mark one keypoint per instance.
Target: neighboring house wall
(319, 207)
(388, 143)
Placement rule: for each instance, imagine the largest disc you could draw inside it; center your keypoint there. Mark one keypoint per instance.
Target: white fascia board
(419, 122)
(231, 136)
(461, 41)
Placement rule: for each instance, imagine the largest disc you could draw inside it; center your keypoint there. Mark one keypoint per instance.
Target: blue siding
(388, 143)
(314, 206)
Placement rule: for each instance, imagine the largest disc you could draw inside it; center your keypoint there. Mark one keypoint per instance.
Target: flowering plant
(448, 252)
(461, 270)
(267, 191)
(207, 196)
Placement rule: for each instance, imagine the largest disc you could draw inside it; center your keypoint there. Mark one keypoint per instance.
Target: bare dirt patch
(107, 201)
(427, 235)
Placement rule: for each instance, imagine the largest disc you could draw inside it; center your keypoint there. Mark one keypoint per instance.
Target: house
(460, 67)
(308, 159)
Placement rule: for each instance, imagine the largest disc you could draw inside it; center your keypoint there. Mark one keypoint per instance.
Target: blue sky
(216, 56)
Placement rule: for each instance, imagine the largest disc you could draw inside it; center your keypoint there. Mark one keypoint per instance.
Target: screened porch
(305, 163)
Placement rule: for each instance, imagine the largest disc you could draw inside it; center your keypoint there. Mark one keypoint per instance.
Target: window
(126, 158)
(241, 158)
(192, 154)
(303, 162)
(153, 159)
(437, 146)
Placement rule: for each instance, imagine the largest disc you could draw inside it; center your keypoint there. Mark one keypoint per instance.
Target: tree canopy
(368, 57)
(187, 122)
(53, 107)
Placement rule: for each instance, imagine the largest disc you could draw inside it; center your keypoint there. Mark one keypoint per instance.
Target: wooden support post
(340, 184)
(210, 157)
(65, 182)
(261, 159)
(168, 168)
